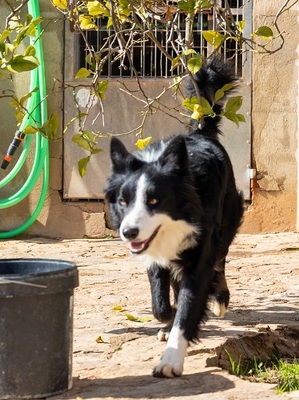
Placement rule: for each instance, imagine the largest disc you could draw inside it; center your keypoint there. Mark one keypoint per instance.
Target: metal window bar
(147, 57)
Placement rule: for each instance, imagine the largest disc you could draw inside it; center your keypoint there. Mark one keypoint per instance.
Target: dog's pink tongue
(136, 245)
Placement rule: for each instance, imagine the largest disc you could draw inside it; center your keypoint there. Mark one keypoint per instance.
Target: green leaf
(83, 73)
(101, 89)
(142, 143)
(214, 38)
(96, 151)
(30, 130)
(190, 102)
(206, 106)
(194, 64)
(187, 6)
(50, 127)
(264, 32)
(30, 51)
(21, 63)
(233, 104)
(4, 35)
(81, 141)
(82, 165)
(221, 92)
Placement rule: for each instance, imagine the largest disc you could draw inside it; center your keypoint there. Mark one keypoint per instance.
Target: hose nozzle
(19, 136)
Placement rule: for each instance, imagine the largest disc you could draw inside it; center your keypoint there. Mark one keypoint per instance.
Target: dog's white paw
(217, 308)
(163, 335)
(170, 366)
(172, 361)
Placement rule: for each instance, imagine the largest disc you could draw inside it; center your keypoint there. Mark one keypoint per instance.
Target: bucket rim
(70, 266)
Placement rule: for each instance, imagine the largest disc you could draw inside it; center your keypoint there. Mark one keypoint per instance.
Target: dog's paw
(163, 335)
(219, 309)
(168, 370)
(172, 361)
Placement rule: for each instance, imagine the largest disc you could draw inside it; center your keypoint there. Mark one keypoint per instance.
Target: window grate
(147, 57)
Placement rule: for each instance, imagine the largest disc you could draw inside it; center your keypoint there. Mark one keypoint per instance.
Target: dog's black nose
(131, 233)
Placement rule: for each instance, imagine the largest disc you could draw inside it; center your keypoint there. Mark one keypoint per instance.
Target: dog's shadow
(148, 387)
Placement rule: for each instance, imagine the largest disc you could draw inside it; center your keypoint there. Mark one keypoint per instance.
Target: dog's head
(147, 195)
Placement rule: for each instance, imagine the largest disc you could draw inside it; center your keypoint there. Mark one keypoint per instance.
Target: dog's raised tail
(212, 76)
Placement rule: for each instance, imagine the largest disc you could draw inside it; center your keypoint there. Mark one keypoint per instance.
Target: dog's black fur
(189, 184)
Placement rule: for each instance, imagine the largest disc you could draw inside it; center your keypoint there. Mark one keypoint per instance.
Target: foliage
(284, 373)
(131, 22)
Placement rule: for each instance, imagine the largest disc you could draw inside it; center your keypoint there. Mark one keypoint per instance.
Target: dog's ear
(118, 154)
(175, 156)
(121, 159)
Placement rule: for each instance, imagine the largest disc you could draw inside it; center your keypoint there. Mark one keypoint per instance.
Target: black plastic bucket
(36, 327)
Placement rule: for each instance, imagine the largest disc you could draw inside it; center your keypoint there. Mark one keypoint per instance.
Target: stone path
(263, 277)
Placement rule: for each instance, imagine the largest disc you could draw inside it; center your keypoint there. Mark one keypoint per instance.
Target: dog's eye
(122, 202)
(152, 201)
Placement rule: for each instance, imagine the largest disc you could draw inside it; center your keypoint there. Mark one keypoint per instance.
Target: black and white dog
(176, 204)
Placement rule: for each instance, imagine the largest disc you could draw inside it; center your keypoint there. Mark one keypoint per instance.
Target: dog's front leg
(160, 286)
(191, 310)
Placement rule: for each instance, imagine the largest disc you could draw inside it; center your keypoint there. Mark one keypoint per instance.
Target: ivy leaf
(83, 73)
(194, 64)
(82, 165)
(142, 143)
(214, 38)
(264, 32)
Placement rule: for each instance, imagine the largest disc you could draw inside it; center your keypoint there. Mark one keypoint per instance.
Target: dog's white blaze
(172, 361)
(138, 215)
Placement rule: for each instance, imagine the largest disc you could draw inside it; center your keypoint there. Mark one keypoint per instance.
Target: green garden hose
(37, 107)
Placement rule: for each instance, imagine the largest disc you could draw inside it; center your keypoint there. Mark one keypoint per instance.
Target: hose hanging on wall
(37, 107)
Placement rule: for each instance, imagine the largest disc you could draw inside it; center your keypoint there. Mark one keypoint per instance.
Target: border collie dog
(176, 205)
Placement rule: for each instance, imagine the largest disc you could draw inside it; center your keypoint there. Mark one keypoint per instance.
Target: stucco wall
(275, 127)
(275, 132)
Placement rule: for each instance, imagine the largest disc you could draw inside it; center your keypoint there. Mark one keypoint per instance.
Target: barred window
(146, 56)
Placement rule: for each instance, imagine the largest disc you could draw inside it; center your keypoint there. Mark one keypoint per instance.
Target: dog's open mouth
(139, 247)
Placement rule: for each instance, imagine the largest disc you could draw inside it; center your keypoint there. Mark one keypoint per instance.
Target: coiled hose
(37, 108)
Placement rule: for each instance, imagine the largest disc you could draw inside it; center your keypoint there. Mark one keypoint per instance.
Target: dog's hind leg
(219, 293)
